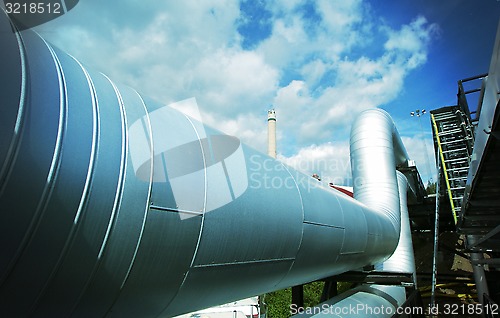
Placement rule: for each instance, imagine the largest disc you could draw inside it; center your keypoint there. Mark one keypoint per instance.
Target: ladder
(454, 137)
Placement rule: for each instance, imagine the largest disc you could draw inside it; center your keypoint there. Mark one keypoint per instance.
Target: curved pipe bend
(376, 151)
(375, 141)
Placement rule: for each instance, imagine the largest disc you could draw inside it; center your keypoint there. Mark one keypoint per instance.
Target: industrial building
(114, 205)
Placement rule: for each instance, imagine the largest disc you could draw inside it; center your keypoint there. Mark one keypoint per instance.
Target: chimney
(271, 133)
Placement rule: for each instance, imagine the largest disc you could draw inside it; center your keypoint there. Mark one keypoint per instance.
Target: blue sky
(318, 63)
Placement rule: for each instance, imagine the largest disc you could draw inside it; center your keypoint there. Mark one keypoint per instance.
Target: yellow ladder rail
(436, 132)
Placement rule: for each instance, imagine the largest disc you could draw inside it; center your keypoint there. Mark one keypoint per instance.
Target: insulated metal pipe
(403, 259)
(371, 300)
(362, 301)
(376, 151)
(112, 204)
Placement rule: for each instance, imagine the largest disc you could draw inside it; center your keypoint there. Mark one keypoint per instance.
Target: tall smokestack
(271, 133)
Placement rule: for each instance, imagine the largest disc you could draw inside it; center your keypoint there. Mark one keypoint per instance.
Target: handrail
(443, 164)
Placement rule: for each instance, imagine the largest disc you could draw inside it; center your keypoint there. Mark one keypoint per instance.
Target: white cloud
(340, 16)
(153, 50)
(295, 38)
(284, 7)
(250, 128)
(421, 150)
(313, 71)
(329, 160)
(233, 81)
(355, 84)
(411, 42)
(288, 43)
(312, 67)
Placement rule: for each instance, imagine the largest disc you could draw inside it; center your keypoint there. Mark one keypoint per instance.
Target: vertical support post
(436, 232)
(478, 270)
(298, 296)
(329, 290)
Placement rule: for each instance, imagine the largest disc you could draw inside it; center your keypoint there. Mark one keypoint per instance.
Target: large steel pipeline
(112, 204)
(372, 300)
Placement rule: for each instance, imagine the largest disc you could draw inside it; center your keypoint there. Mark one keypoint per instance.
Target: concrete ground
(455, 289)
